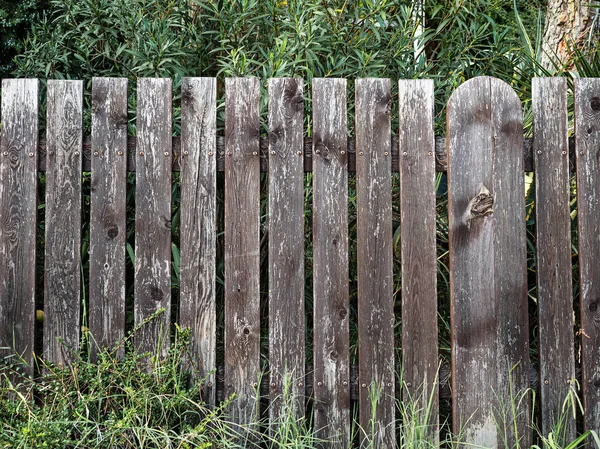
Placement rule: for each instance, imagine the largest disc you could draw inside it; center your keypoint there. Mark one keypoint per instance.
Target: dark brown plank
(286, 245)
(242, 246)
(330, 262)
(152, 283)
(197, 301)
(18, 209)
(587, 134)
(418, 246)
(441, 160)
(62, 275)
(374, 262)
(553, 237)
(108, 212)
(487, 259)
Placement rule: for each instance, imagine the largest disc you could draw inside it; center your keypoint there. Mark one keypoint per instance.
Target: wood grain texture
(418, 245)
(487, 258)
(330, 262)
(242, 247)
(286, 245)
(587, 134)
(108, 211)
(553, 237)
(18, 209)
(152, 284)
(198, 234)
(62, 273)
(374, 262)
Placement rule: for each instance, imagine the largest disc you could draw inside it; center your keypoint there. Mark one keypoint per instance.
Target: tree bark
(567, 24)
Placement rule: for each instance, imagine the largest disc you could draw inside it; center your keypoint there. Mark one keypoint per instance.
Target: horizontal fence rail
(287, 303)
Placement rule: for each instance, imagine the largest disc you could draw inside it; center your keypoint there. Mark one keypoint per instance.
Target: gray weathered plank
(108, 211)
(553, 237)
(242, 246)
(330, 262)
(374, 262)
(18, 209)
(587, 135)
(152, 284)
(197, 301)
(418, 245)
(62, 273)
(286, 246)
(488, 259)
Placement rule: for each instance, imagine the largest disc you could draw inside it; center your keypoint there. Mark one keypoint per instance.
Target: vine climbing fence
(485, 156)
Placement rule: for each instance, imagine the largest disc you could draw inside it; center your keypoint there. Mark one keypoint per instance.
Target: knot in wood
(480, 205)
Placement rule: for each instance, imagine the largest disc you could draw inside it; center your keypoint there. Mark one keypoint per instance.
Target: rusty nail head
(254, 153)
(546, 382)
(345, 383)
(186, 152)
(404, 153)
(389, 384)
(581, 153)
(30, 154)
(76, 153)
(95, 153)
(569, 381)
(342, 152)
(5, 153)
(317, 151)
(229, 153)
(210, 153)
(385, 153)
(51, 153)
(255, 384)
(273, 384)
(539, 152)
(430, 153)
(209, 384)
(564, 152)
(360, 153)
(408, 384)
(141, 153)
(299, 153)
(364, 385)
(272, 152)
(300, 384)
(166, 153)
(230, 385)
(120, 153)
(319, 384)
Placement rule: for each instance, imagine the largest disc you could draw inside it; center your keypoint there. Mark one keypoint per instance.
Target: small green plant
(114, 402)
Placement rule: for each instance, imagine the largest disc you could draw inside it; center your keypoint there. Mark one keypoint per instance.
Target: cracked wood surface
(488, 283)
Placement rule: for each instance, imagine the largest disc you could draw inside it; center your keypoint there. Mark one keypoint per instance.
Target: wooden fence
(485, 158)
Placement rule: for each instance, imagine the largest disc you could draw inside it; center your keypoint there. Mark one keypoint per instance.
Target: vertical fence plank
(152, 284)
(242, 246)
(108, 212)
(18, 209)
(553, 237)
(62, 273)
(419, 250)
(286, 245)
(488, 260)
(330, 261)
(197, 303)
(587, 138)
(374, 262)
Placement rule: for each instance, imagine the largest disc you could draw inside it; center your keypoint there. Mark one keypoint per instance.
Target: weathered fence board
(488, 259)
(286, 248)
(419, 249)
(242, 246)
(374, 262)
(553, 237)
(587, 133)
(330, 262)
(62, 275)
(108, 211)
(152, 284)
(198, 233)
(18, 209)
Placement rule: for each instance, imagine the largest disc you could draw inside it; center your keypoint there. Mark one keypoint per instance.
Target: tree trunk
(567, 24)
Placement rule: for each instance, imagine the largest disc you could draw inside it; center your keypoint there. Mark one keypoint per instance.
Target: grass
(117, 402)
